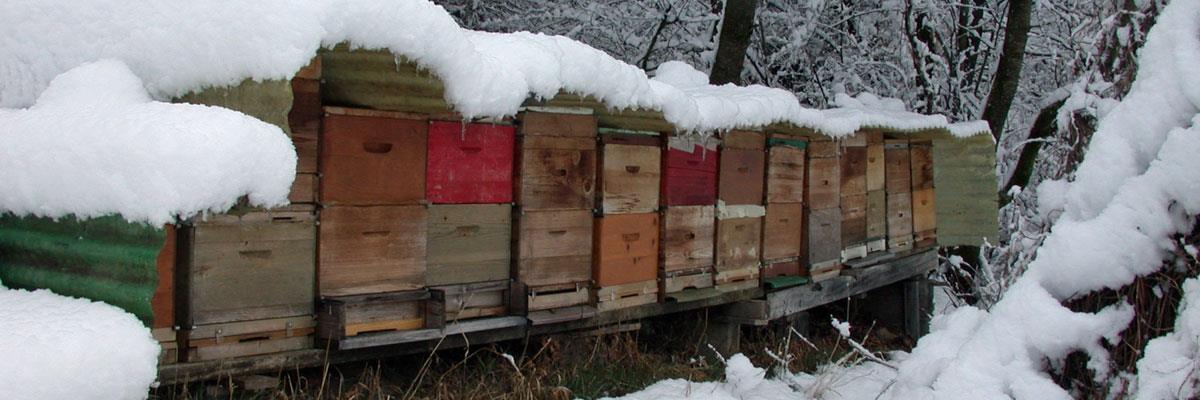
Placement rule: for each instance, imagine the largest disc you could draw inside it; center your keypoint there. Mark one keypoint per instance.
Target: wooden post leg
(918, 306)
(723, 337)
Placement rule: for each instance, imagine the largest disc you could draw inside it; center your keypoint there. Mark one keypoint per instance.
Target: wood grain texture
(554, 247)
(561, 125)
(854, 170)
(898, 170)
(900, 221)
(163, 302)
(786, 268)
(556, 173)
(746, 140)
(924, 214)
(304, 120)
(687, 238)
(783, 231)
(304, 189)
(739, 243)
(372, 249)
(629, 178)
(854, 219)
(824, 235)
(741, 176)
(824, 183)
(626, 249)
(468, 243)
(785, 175)
(822, 147)
(876, 214)
(876, 167)
(251, 270)
(470, 163)
(921, 162)
(372, 160)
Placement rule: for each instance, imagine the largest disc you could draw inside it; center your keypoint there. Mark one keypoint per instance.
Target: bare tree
(736, 28)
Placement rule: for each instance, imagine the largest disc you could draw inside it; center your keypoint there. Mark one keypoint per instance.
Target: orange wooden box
(372, 158)
(626, 249)
(782, 231)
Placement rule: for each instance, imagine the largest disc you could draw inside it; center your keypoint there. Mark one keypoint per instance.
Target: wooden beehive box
(345, 316)
(782, 231)
(876, 167)
(853, 170)
(899, 221)
(898, 171)
(372, 157)
(921, 163)
(555, 124)
(626, 249)
(468, 243)
(470, 163)
(304, 190)
(304, 122)
(744, 140)
(556, 173)
(474, 300)
(854, 220)
(690, 176)
(924, 217)
(785, 170)
(629, 179)
(259, 265)
(740, 180)
(824, 183)
(824, 237)
(248, 338)
(554, 247)
(876, 215)
(738, 245)
(783, 268)
(687, 238)
(367, 250)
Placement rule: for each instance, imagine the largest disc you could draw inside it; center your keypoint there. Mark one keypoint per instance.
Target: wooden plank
(854, 170)
(924, 214)
(626, 295)
(921, 162)
(304, 120)
(738, 243)
(854, 219)
(625, 249)
(681, 282)
(782, 231)
(470, 163)
(822, 147)
(900, 222)
(548, 299)
(249, 348)
(785, 175)
(372, 249)
(251, 270)
(162, 303)
(964, 174)
(468, 243)
(824, 235)
(560, 315)
(629, 178)
(687, 237)
(303, 323)
(876, 167)
(898, 171)
(372, 160)
(556, 124)
(556, 173)
(554, 247)
(304, 189)
(876, 214)
(824, 183)
(785, 268)
(800, 298)
(345, 316)
(741, 176)
(746, 140)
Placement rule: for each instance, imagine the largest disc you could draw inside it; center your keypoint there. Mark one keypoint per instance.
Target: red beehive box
(690, 177)
(469, 164)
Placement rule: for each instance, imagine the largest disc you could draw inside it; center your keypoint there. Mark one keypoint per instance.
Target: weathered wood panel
(876, 214)
(470, 163)
(854, 219)
(824, 183)
(741, 176)
(965, 178)
(745, 140)
(854, 170)
(560, 125)
(783, 231)
(739, 241)
(241, 271)
(898, 171)
(924, 216)
(921, 162)
(626, 249)
(876, 167)
(687, 238)
(304, 189)
(372, 249)
(822, 147)
(900, 222)
(629, 181)
(163, 301)
(372, 160)
(785, 175)
(824, 235)
(554, 247)
(345, 316)
(787, 268)
(556, 173)
(468, 243)
(304, 119)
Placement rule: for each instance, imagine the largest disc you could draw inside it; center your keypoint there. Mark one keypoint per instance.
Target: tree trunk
(1008, 72)
(736, 27)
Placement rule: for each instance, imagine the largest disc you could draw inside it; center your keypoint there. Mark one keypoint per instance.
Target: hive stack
(824, 239)
(899, 195)
(469, 186)
(373, 223)
(625, 266)
(556, 170)
(740, 210)
(853, 154)
(876, 193)
(784, 227)
(924, 214)
(689, 195)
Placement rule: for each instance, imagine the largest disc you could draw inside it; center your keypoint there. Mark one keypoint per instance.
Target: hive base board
(558, 296)
(900, 244)
(690, 295)
(166, 339)
(684, 280)
(475, 300)
(249, 348)
(876, 245)
(825, 271)
(627, 295)
(854, 251)
(738, 279)
(452, 328)
(781, 282)
(247, 338)
(564, 314)
(925, 239)
(347, 316)
(869, 260)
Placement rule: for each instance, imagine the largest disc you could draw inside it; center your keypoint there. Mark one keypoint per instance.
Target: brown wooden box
(824, 236)
(785, 268)
(738, 243)
(822, 147)
(468, 243)
(740, 180)
(372, 249)
(824, 183)
(372, 158)
(554, 247)
(629, 177)
(746, 140)
(250, 267)
(876, 214)
(900, 222)
(474, 300)
(344, 316)
(854, 170)
(553, 124)
(924, 216)
(785, 175)
(304, 120)
(304, 189)
(687, 237)
(854, 219)
(921, 161)
(248, 338)
(876, 167)
(556, 173)
(783, 231)
(625, 249)
(898, 171)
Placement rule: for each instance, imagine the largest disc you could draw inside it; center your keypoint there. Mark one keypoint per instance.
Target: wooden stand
(346, 316)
